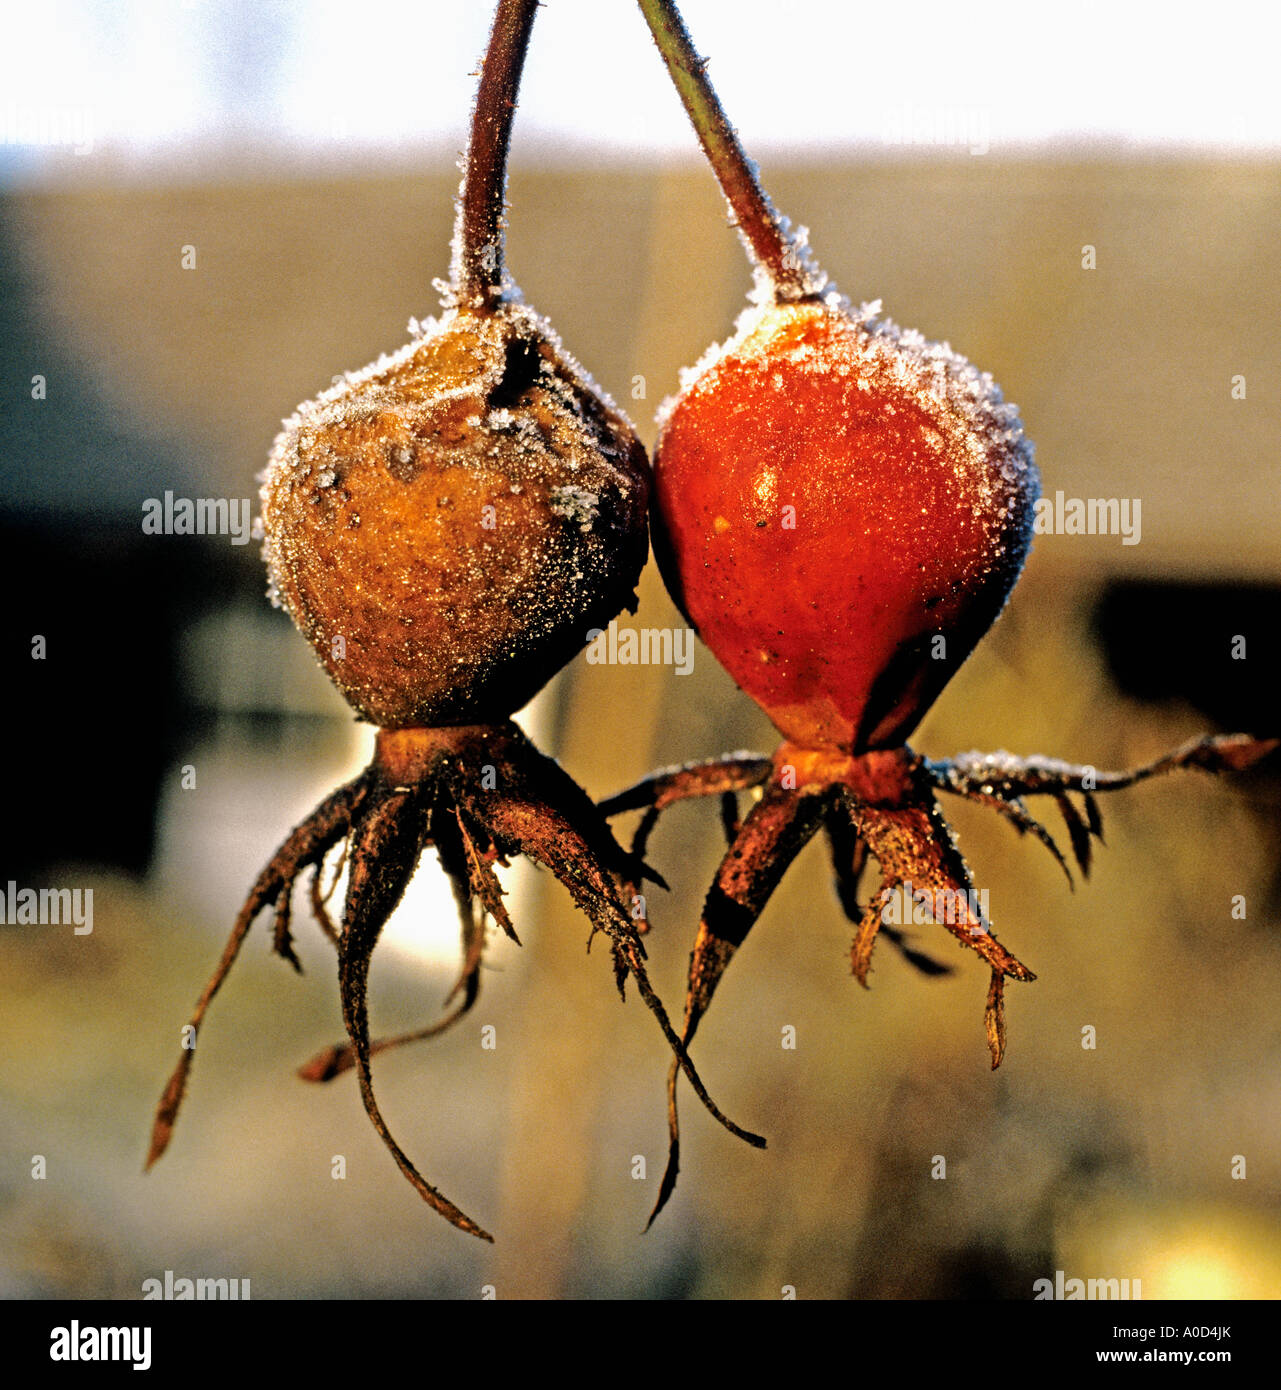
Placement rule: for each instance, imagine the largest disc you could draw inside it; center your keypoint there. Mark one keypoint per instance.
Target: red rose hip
(842, 511)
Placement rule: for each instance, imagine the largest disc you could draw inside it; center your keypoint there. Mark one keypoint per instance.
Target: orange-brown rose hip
(447, 524)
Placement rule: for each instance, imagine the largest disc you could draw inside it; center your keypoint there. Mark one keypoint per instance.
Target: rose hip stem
(478, 241)
(758, 220)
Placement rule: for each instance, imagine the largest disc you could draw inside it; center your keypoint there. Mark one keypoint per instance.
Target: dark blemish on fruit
(402, 462)
(521, 368)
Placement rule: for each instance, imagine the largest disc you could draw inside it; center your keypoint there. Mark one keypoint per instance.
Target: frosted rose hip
(458, 515)
(832, 497)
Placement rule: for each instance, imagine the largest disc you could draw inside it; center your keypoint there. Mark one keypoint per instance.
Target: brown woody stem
(478, 265)
(757, 218)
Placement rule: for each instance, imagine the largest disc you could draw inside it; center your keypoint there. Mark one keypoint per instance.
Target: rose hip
(446, 524)
(841, 510)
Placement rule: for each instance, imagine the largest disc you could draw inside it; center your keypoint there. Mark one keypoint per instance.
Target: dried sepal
(994, 1018)
(478, 794)
(881, 803)
(776, 829)
(849, 856)
(306, 845)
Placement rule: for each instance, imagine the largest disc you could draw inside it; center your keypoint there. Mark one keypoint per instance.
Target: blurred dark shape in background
(94, 723)
(1173, 640)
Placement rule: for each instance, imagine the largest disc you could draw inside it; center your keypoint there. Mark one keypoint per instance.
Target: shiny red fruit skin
(832, 498)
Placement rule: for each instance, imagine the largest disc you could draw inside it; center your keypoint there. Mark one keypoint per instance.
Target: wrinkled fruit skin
(459, 515)
(913, 490)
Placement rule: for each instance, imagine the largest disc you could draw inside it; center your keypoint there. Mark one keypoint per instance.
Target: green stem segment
(478, 264)
(757, 219)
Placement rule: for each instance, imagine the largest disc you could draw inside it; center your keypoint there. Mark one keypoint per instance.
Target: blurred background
(303, 164)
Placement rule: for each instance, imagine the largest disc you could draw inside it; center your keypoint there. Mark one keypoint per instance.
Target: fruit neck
(411, 757)
(876, 776)
(792, 275)
(479, 269)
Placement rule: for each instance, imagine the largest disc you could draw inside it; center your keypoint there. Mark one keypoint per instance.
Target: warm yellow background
(1113, 1162)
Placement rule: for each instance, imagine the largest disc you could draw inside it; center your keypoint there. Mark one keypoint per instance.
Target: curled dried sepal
(308, 843)
(849, 854)
(1002, 780)
(545, 815)
(385, 849)
(333, 1061)
(994, 1018)
(881, 802)
(478, 794)
(776, 829)
(913, 845)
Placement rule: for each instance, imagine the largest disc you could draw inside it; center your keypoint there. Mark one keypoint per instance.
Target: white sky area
(152, 81)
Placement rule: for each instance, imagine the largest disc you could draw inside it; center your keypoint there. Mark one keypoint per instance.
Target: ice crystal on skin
(940, 375)
(576, 503)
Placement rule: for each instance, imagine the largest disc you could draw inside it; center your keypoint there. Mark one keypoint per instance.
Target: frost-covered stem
(478, 265)
(757, 218)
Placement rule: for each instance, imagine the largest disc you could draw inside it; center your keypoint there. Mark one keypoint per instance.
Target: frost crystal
(575, 503)
(966, 402)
